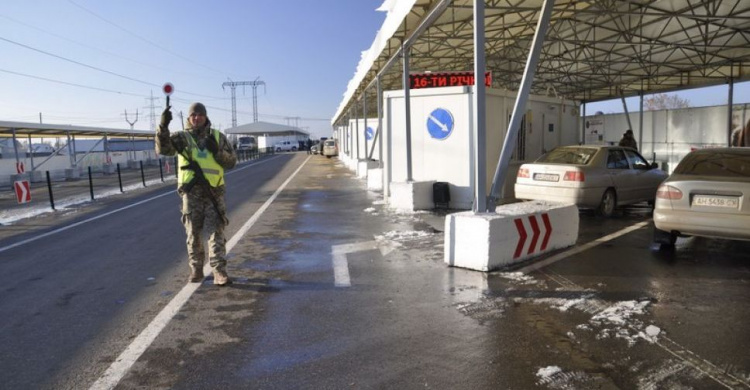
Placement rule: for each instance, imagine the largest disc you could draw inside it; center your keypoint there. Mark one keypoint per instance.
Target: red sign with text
(445, 79)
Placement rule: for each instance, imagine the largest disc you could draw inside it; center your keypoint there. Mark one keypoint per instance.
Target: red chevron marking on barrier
(548, 228)
(521, 238)
(535, 237)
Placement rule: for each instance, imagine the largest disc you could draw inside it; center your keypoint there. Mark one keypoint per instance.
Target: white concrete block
(411, 196)
(514, 233)
(375, 179)
(363, 166)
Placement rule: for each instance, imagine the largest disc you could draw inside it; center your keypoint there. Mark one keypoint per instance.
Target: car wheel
(608, 203)
(278, 149)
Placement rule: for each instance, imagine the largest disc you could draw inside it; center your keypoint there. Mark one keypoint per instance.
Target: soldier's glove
(212, 145)
(166, 117)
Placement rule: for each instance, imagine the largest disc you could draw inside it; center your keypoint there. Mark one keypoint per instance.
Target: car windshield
(330, 143)
(578, 156)
(726, 163)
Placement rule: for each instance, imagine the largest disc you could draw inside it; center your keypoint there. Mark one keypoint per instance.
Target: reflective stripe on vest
(213, 172)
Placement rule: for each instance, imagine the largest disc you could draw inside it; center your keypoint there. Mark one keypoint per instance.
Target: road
(334, 291)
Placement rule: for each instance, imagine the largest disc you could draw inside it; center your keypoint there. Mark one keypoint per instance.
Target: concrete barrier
(411, 196)
(514, 233)
(375, 179)
(363, 166)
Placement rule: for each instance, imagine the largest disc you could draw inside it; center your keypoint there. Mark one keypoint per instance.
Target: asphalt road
(611, 313)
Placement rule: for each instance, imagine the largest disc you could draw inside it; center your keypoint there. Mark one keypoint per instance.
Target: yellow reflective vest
(213, 172)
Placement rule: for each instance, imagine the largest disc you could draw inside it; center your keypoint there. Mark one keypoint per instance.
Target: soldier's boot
(221, 278)
(196, 274)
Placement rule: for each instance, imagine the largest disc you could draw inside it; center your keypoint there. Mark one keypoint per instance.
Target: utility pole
(152, 109)
(294, 118)
(232, 85)
(132, 140)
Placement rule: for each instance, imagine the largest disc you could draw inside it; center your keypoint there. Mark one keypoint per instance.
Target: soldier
(203, 154)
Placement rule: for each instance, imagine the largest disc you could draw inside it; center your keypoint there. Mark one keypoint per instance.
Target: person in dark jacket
(628, 140)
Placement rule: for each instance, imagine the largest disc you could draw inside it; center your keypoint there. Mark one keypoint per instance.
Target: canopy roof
(51, 130)
(594, 49)
(266, 128)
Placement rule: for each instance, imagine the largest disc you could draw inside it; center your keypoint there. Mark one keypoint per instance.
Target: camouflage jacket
(169, 144)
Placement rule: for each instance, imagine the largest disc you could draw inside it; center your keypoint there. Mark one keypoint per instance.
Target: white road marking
(579, 249)
(127, 358)
(79, 223)
(341, 264)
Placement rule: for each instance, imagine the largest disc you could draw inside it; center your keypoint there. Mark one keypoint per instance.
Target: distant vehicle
(286, 146)
(314, 148)
(330, 148)
(591, 177)
(708, 195)
(246, 143)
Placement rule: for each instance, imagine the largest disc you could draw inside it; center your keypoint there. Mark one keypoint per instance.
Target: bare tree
(662, 101)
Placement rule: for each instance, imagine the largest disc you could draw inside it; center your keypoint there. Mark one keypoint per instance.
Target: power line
(99, 69)
(78, 63)
(145, 40)
(71, 84)
(96, 48)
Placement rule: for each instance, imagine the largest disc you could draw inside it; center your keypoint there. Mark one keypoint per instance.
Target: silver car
(708, 195)
(591, 177)
(330, 148)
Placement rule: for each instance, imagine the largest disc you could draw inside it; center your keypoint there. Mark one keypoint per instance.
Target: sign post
(168, 88)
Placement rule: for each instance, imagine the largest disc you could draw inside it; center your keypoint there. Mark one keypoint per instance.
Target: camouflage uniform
(198, 211)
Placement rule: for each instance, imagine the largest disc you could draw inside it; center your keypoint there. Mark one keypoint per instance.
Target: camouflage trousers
(199, 213)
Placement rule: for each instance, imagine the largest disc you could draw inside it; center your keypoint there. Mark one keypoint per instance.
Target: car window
(617, 160)
(578, 156)
(715, 164)
(636, 161)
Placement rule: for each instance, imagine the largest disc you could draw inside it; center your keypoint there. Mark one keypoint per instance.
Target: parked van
(330, 148)
(286, 146)
(246, 143)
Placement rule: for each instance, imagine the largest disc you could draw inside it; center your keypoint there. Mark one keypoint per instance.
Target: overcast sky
(117, 53)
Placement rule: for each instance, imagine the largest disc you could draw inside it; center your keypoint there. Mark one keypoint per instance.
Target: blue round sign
(369, 133)
(440, 123)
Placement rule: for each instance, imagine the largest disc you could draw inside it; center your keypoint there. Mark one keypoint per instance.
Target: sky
(86, 62)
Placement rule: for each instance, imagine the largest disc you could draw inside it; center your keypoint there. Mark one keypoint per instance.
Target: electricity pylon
(232, 85)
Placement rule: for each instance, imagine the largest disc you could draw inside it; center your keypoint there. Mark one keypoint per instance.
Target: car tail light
(523, 172)
(574, 176)
(668, 192)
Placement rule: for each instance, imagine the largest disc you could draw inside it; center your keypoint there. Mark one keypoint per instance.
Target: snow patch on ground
(408, 235)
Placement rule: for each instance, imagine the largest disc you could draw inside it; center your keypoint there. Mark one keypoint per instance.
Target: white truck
(246, 143)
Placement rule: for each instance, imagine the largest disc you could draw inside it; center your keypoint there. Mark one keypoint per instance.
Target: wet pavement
(333, 290)
(618, 316)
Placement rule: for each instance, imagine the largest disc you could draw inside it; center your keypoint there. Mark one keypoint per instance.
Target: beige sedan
(590, 176)
(708, 195)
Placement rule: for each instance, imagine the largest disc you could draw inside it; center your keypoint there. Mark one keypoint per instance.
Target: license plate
(716, 201)
(546, 177)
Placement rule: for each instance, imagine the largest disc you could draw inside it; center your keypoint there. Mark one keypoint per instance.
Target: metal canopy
(38, 130)
(594, 50)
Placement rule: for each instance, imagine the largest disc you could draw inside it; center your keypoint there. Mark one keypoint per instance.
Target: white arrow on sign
(341, 264)
(23, 193)
(442, 125)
